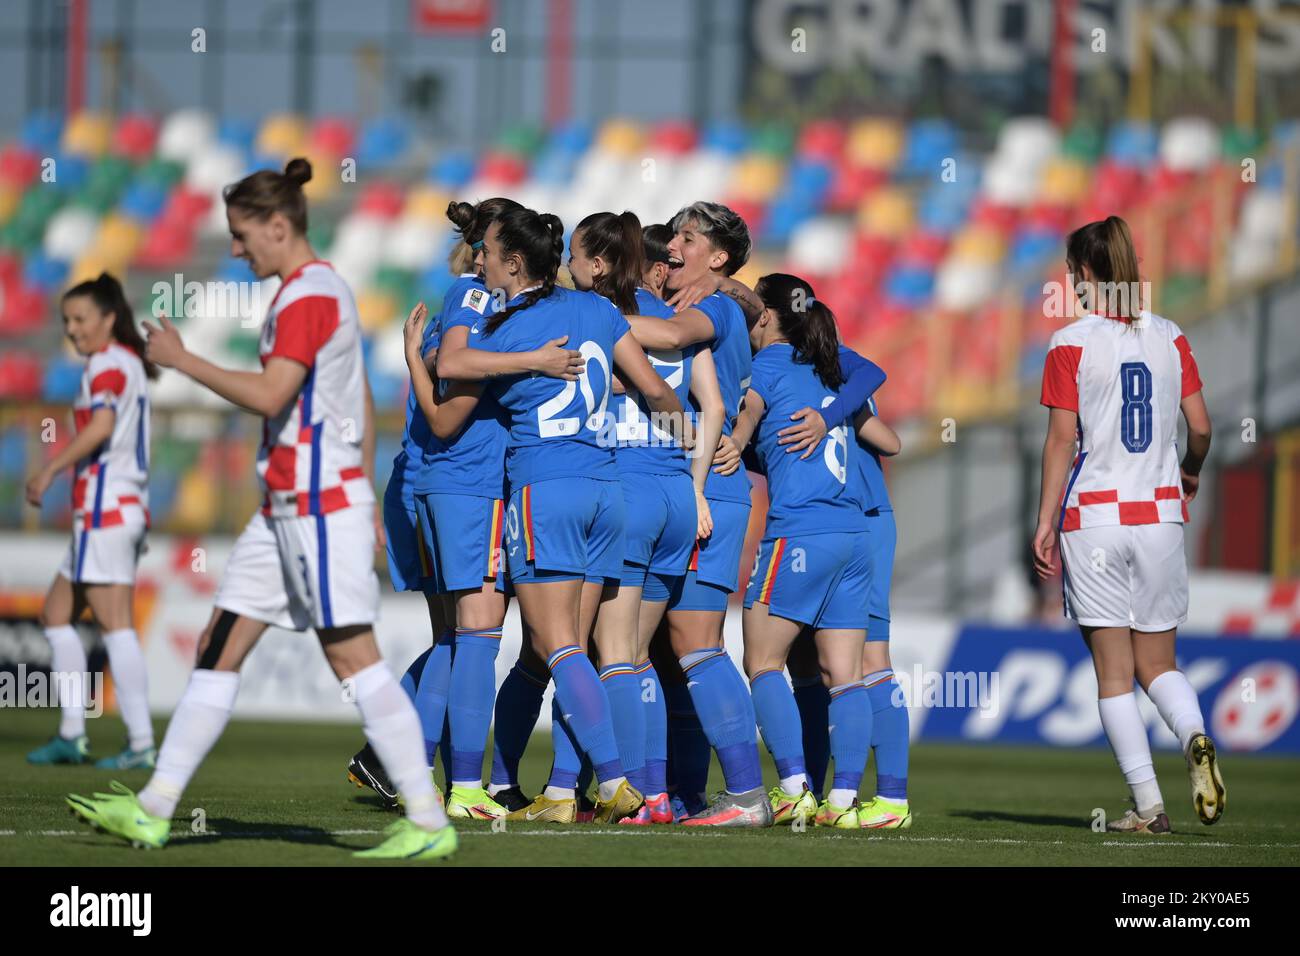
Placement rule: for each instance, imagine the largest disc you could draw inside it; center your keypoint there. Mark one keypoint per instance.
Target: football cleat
(639, 819)
(545, 810)
(881, 814)
(661, 810)
(365, 770)
(626, 801)
(680, 812)
(840, 818)
(405, 841)
(473, 803)
(62, 750)
(119, 813)
(511, 798)
(1130, 822)
(1209, 796)
(787, 807)
(130, 759)
(748, 809)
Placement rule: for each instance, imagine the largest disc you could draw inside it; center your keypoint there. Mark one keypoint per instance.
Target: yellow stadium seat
(87, 134)
(90, 265)
(283, 134)
(886, 212)
(118, 239)
(1065, 181)
(758, 177)
(8, 203)
(428, 204)
(325, 180)
(620, 138)
(377, 310)
(196, 501)
(876, 143)
(978, 244)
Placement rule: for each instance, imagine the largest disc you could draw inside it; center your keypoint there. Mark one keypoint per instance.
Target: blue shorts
(716, 559)
(565, 528)
(884, 538)
(464, 535)
(410, 563)
(692, 594)
(822, 580)
(659, 533)
(654, 585)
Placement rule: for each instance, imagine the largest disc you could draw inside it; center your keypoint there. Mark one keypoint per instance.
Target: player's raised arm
(445, 417)
(265, 393)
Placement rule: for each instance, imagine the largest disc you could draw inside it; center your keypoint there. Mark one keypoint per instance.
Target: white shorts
(106, 555)
(1132, 576)
(304, 572)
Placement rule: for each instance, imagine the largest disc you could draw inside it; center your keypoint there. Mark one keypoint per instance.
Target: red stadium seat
(673, 137)
(984, 212)
(851, 183)
(18, 166)
(751, 210)
(333, 136)
(186, 206)
(821, 139)
(1045, 215)
(20, 376)
(134, 137)
(166, 245)
(25, 310)
(382, 199)
(505, 168)
(922, 248)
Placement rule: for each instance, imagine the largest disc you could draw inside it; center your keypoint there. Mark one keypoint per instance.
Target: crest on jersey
(267, 342)
(476, 299)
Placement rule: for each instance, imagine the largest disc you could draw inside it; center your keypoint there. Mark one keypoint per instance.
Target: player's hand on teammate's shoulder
(163, 345)
(806, 435)
(727, 458)
(555, 361)
(695, 292)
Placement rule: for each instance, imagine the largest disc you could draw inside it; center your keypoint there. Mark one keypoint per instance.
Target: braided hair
(539, 240)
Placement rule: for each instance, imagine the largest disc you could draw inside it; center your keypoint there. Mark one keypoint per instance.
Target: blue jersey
(643, 446)
(868, 464)
(558, 429)
(821, 493)
(731, 356)
(471, 462)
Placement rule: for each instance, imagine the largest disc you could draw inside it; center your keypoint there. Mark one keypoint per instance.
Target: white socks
(1128, 740)
(559, 793)
(393, 728)
(200, 717)
(68, 670)
(606, 789)
(841, 797)
(794, 785)
(126, 661)
(1174, 697)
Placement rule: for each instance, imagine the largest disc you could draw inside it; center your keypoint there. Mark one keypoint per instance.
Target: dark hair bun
(461, 215)
(298, 171)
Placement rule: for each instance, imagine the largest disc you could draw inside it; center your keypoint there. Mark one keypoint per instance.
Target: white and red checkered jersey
(117, 472)
(310, 462)
(1126, 382)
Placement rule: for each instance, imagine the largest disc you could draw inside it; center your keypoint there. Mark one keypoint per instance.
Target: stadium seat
(41, 133)
(382, 143)
(70, 232)
(876, 143)
(1189, 143)
(87, 134)
(452, 170)
(187, 135)
(134, 137)
(18, 166)
(280, 137)
(332, 136)
(44, 273)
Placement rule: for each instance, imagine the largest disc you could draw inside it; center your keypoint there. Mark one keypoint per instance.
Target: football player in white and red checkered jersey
(306, 558)
(1115, 493)
(110, 513)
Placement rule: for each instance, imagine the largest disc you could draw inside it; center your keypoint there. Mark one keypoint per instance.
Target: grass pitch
(276, 794)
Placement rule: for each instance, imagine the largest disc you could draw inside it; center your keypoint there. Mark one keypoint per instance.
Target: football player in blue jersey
(663, 493)
(564, 522)
(458, 690)
(813, 568)
(710, 240)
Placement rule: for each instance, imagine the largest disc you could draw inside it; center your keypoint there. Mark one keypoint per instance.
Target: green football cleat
(473, 803)
(881, 814)
(841, 818)
(62, 750)
(129, 759)
(788, 807)
(120, 814)
(406, 841)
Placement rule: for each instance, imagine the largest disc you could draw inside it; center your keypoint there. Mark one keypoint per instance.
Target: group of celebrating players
(583, 450)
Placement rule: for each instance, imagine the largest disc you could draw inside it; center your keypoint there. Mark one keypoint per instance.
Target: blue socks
(519, 704)
(624, 692)
(585, 708)
(850, 733)
(473, 687)
(778, 721)
(814, 700)
(688, 753)
(890, 732)
(726, 714)
(428, 683)
(656, 730)
(565, 761)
